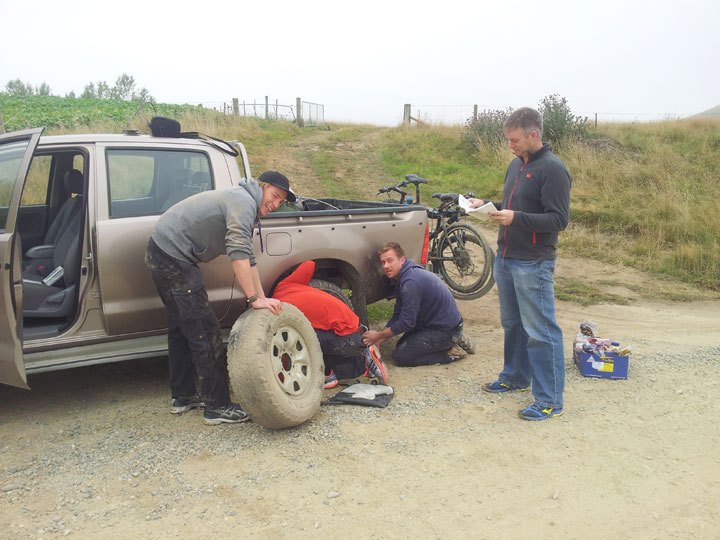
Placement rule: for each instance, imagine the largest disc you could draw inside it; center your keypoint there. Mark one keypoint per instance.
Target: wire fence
(462, 114)
(310, 113)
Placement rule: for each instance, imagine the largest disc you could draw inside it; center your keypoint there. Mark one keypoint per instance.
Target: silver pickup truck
(76, 212)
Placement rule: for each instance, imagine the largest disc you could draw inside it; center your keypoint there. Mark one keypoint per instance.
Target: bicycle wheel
(465, 260)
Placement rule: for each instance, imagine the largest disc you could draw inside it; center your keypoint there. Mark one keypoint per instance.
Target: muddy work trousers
(426, 347)
(195, 346)
(342, 354)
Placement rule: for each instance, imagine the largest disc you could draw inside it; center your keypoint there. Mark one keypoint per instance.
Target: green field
(71, 113)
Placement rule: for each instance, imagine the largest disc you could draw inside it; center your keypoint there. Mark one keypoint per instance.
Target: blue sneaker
(331, 380)
(536, 412)
(497, 387)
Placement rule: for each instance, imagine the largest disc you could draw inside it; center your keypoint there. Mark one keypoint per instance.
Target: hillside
(713, 112)
(644, 195)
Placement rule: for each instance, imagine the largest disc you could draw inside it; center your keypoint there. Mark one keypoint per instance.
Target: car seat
(53, 295)
(38, 259)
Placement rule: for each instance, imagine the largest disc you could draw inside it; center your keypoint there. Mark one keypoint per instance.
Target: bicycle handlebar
(445, 197)
(416, 181)
(392, 188)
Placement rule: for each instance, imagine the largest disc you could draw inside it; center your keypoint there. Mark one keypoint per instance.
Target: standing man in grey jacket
(535, 208)
(199, 229)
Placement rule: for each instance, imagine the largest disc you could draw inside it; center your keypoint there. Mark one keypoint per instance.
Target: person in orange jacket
(337, 328)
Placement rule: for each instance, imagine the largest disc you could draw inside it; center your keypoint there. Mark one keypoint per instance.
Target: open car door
(16, 150)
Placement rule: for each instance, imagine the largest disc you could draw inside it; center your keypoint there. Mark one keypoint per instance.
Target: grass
(584, 293)
(380, 311)
(439, 154)
(651, 200)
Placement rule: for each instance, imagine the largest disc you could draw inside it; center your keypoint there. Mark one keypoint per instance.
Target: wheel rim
(290, 359)
(464, 260)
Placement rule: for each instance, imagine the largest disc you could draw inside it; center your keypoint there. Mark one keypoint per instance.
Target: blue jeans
(533, 339)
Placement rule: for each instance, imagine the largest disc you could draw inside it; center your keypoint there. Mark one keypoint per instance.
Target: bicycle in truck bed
(457, 251)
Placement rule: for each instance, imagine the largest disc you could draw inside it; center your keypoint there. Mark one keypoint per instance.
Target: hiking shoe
(225, 414)
(497, 387)
(456, 353)
(184, 404)
(466, 344)
(536, 412)
(374, 364)
(331, 380)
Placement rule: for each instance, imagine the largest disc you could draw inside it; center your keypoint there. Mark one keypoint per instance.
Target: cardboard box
(604, 366)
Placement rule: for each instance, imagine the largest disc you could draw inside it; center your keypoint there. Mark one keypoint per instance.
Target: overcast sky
(624, 59)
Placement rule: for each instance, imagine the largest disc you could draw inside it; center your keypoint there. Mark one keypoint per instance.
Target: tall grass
(643, 195)
(440, 154)
(649, 198)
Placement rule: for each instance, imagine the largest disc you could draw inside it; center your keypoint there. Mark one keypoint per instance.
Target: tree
(18, 88)
(102, 90)
(43, 89)
(143, 96)
(88, 92)
(124, 87)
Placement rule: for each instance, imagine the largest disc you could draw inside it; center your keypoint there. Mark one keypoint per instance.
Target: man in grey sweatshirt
(199, 229)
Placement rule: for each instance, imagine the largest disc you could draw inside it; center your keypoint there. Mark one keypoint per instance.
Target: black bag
(161, 126)
(164, 127)
(370, 395)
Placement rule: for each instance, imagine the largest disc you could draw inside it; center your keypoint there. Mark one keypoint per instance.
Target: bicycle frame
(452, 244)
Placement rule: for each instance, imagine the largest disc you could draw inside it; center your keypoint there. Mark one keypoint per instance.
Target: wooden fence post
(236, 107)
(267, 108)
(299, 112)
(406, 113)
(474, 114)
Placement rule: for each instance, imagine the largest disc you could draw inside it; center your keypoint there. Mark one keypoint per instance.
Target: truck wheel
(333, 289)
(276, 367)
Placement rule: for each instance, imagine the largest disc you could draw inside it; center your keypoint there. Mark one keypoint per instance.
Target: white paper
(484, 209)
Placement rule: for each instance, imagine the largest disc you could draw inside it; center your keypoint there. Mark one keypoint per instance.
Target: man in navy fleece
(425, 313)
(534, 209)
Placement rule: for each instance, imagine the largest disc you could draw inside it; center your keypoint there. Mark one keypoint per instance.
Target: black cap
(279, 180)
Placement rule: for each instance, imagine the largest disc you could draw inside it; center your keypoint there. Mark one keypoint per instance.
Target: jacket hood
(253, 188)
(407, 265)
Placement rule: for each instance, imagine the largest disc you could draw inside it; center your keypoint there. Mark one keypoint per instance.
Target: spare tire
(276, 367)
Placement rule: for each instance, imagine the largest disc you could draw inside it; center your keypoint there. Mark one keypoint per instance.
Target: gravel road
(95, 453)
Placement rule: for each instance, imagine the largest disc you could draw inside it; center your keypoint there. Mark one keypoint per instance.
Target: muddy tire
(276, 367)
(332, 289)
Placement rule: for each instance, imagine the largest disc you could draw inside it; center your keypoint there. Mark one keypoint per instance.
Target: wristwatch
(251, 299)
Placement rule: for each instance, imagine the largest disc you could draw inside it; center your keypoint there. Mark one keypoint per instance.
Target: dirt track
(94, 452)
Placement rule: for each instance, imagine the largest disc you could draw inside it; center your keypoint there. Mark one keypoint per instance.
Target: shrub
(559, 124)
(486, 131)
